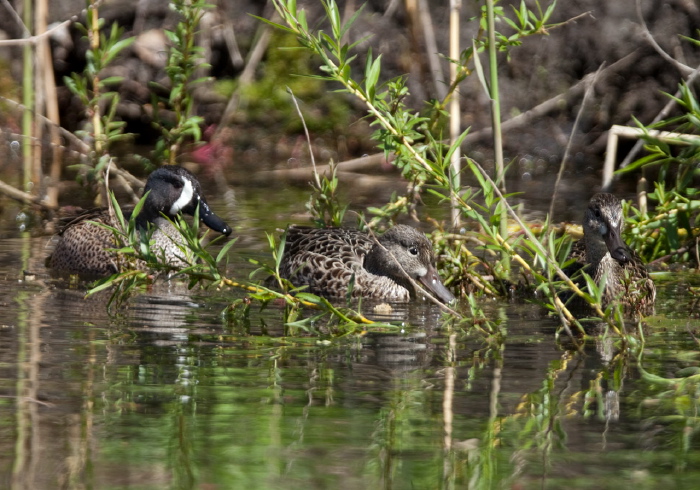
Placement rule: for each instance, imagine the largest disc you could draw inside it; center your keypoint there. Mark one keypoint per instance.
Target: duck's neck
(596, 250)
(381, 263)
(150, 212)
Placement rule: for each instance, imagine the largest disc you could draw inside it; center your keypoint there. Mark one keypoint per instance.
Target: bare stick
(34, 39)
(684, 69)
(663, 113)
(248, 73)
(84, 148)
(17, 18)
(455, 115)
(24, 197)
(308, 138)
(431, 49)
(574, 129)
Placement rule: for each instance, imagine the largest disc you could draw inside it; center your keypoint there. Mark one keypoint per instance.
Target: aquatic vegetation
(184, 60)
(99, 102)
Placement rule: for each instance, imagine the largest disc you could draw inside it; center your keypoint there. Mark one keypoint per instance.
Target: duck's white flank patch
(185, 197)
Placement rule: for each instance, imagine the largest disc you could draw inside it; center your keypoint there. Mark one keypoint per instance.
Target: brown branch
(684, 69)
(678, 251)
(34, 39)
(574, 130)
(24, 197)
(85, 149)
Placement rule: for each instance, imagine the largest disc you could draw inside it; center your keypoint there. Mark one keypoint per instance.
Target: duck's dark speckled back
(81, 248)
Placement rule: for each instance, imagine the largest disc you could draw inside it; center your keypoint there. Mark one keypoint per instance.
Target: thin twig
(431, 49)
(308, 138)
(29, 399)
(574, 129)
(85, 149)
(25, 197)
(678, 251)
(34, 39)
(684, 69)
(18, 19)
(663, 113)
(254, 58)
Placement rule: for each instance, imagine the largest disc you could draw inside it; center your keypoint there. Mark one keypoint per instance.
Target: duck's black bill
(431, 280)
(212, 220)
(617, 248)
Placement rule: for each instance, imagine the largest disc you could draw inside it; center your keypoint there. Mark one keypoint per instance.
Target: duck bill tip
(213, 221)
(616, 247)
(431, 280)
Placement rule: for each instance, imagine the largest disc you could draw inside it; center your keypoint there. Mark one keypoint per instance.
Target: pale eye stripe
(185, 197)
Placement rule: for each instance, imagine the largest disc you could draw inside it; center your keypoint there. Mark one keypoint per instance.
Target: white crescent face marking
(185, 197)
(603, 230)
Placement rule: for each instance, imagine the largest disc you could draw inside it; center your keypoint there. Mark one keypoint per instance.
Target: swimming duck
(327, 259)
(81, 247)
(602, 252)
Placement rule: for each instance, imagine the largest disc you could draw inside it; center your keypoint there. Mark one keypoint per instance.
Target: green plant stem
(496, 124)
(455, 115)
(94, 38)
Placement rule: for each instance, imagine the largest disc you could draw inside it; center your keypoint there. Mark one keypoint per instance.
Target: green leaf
(225, 249)
(310, 298)
(333, 14)
(480, 72)
(372, 75)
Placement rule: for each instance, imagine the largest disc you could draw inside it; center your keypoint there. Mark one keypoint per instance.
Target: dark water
(169, 392)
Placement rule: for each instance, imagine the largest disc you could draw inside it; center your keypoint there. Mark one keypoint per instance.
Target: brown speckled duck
(325, 260)
(602, 251)
(82, 245)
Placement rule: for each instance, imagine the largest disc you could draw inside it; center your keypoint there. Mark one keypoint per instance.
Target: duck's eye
(413, 250)
(596, 211)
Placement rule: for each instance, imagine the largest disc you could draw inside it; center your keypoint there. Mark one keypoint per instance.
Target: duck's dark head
(173, 190)
(602, 227)
(414, 252)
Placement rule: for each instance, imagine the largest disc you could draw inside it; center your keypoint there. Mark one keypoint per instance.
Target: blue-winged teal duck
(327, 259)
(602, 252)
(82, 245)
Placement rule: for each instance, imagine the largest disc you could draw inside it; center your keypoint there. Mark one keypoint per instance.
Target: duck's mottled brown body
(329, 260)
(83, 246)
